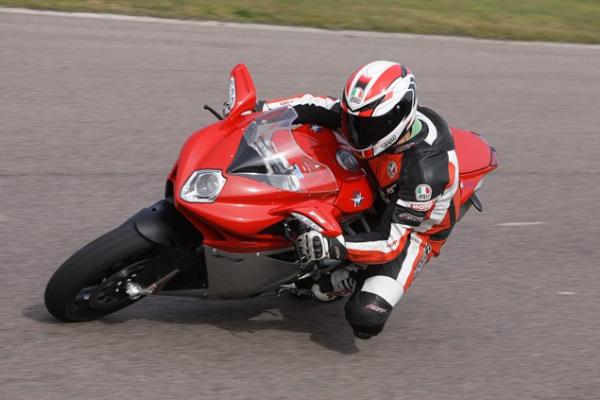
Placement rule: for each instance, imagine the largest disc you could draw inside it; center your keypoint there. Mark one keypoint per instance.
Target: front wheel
(92, 282)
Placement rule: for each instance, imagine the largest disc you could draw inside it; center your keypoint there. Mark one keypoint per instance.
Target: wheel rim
(109, 291)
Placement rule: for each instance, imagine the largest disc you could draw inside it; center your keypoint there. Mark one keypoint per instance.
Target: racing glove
(314, 246)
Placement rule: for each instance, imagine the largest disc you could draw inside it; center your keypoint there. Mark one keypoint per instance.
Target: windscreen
(269, 153)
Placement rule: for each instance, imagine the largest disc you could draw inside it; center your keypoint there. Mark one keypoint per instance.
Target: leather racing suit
(414, 214)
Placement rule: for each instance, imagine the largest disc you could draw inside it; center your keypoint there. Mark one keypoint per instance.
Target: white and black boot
(333, 286)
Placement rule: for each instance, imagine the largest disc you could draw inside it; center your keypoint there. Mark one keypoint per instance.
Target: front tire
(89, 284)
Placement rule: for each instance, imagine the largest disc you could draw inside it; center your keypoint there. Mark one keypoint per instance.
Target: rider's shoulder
(429, 116)
(425, 169)
(436, 135)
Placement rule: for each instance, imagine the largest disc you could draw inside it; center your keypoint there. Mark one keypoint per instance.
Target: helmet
(379, 105)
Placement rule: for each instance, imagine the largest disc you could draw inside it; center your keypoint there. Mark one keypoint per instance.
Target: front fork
(180, 250)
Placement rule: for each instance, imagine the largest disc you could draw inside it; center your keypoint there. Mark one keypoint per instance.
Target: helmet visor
(363, 132)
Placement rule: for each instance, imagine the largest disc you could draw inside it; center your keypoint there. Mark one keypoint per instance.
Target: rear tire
(89, 268)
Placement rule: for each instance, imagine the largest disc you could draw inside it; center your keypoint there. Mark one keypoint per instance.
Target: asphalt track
(93, 113)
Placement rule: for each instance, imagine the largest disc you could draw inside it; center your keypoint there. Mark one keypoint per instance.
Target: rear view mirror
(241, 94)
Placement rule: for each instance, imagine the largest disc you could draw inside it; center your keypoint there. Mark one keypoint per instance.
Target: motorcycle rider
(410, 153)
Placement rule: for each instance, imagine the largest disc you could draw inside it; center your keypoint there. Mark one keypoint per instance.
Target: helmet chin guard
(392, 139)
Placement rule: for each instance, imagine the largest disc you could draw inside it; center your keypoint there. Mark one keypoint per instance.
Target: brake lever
(213, 112)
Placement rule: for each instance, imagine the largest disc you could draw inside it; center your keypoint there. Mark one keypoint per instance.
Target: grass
(545, 20)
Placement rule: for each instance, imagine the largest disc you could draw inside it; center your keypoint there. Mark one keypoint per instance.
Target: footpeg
(294, 290)
(134, 290)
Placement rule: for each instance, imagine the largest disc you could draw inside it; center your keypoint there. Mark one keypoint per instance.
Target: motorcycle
(239, 194)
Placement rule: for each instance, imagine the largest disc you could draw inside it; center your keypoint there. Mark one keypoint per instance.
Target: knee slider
(367, 313)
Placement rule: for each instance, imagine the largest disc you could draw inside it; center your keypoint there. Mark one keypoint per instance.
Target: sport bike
(239, 194)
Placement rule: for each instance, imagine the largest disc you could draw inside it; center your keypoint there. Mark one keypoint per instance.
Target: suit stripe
(410, 261)
(301, 99)
(380, 251)
(392, 288)
(413, 267)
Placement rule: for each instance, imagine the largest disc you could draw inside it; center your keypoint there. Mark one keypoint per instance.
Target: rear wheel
(94, 282)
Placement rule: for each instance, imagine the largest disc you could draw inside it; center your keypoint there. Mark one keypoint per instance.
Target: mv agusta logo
(392, 169)
(357, 198)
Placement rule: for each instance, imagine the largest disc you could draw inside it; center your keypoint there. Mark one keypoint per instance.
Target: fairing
(274, 169)
(476, 158)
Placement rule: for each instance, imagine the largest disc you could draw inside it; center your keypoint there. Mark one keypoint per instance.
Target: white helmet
(379, 105)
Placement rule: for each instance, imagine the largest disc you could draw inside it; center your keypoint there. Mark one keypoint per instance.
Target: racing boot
(333, 286)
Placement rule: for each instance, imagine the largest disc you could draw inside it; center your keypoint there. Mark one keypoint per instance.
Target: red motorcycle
(242, 189)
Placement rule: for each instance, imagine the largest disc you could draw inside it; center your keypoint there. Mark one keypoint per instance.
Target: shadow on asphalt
(325, 323)
(38, 312)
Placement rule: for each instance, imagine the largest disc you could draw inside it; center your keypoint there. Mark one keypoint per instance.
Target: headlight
(203, 186)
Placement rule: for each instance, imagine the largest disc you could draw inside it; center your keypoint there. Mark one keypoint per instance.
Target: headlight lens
(203, 186)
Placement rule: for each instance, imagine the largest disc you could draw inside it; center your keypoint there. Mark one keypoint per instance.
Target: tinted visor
(363, 132)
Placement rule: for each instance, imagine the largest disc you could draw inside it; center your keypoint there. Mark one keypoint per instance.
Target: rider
(410, 153)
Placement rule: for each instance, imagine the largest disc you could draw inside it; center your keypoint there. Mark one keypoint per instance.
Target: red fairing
(245, 208)
(475, 160)
(247, 214)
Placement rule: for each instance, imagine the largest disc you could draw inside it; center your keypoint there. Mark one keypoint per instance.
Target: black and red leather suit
(416, 210)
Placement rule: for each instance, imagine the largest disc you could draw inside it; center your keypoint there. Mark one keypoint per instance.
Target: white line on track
(566, 293)
(521, 223)
(281, 28)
